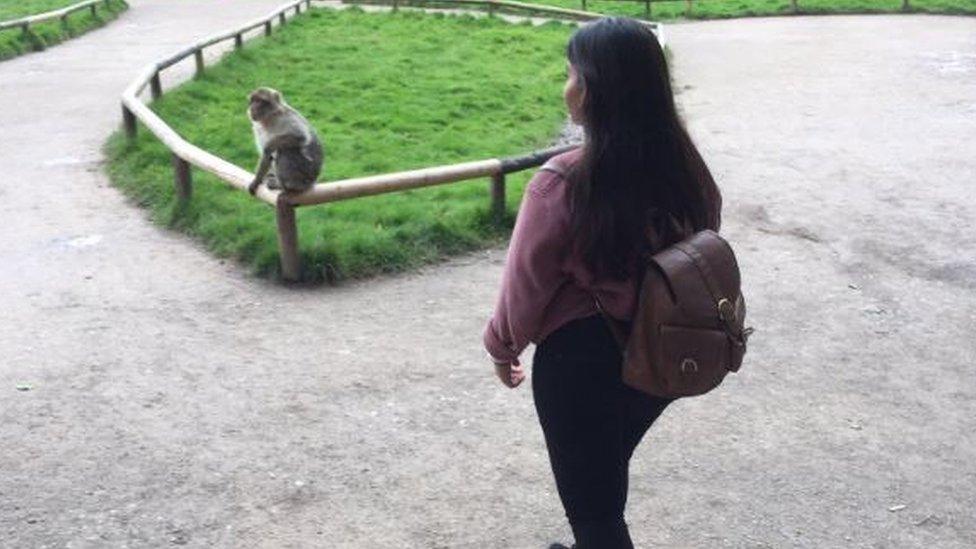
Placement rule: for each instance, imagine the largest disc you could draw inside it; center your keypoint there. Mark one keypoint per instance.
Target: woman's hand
(511, 375)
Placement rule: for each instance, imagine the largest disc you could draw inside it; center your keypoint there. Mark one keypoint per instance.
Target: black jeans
(592, 422)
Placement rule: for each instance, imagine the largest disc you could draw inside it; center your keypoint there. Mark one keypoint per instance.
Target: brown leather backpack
(687, 332)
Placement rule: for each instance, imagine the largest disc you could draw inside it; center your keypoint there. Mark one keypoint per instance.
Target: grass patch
(14, 42)
(387, 92)
(722, 9)
(15, 9)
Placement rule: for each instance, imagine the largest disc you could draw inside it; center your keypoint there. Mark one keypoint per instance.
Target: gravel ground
(175, 401)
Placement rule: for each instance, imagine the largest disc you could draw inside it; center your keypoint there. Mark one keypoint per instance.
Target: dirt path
(176, 401)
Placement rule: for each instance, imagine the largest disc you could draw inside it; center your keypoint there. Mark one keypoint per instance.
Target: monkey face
(262, 102)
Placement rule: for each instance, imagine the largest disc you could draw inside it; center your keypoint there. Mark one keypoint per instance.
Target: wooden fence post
(155, 87)
(905, 6)
(198, 58)
(291, 263)
(794, 6)
(281, 18)
(584, 5)
(267, 28)
(94, 10)
(182, 178)
(129, 121)
(498, 197)
(238, 41)
(64, 22)
(647, 9)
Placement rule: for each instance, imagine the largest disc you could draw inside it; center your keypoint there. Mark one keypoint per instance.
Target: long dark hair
(639, 170)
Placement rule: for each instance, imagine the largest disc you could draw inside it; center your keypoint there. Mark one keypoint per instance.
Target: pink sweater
(544, 285)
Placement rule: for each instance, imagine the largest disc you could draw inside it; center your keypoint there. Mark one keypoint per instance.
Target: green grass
(15, 9)
(720, 9)
(387, 92)
(14, 42)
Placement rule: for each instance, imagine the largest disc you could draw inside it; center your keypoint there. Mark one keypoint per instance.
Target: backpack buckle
(726, 311)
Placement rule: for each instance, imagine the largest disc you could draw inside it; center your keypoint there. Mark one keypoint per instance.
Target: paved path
(177, 401)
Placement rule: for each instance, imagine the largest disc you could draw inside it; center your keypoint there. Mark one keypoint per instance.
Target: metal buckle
(726, 310)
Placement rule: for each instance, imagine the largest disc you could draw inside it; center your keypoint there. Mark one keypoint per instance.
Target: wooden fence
(185, 154)
(689, 5)
(25, 23)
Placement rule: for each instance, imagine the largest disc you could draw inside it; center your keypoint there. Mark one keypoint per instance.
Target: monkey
(291, 153)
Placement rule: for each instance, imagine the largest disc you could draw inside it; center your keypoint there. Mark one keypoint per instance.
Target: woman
(638, 184)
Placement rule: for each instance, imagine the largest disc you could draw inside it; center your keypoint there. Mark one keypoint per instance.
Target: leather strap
(556, 171)
(613, 324)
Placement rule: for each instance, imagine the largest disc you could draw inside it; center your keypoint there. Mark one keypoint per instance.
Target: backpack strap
(616, 327)
(555, 167)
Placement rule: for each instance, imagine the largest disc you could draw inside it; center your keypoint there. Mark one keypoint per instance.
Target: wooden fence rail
(186, 154)
(25, 23)
(689, 5)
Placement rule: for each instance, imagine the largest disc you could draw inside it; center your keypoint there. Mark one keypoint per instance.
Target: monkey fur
(291, 153)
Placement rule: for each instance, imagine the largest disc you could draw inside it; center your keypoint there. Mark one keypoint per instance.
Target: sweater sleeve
(533, 268)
